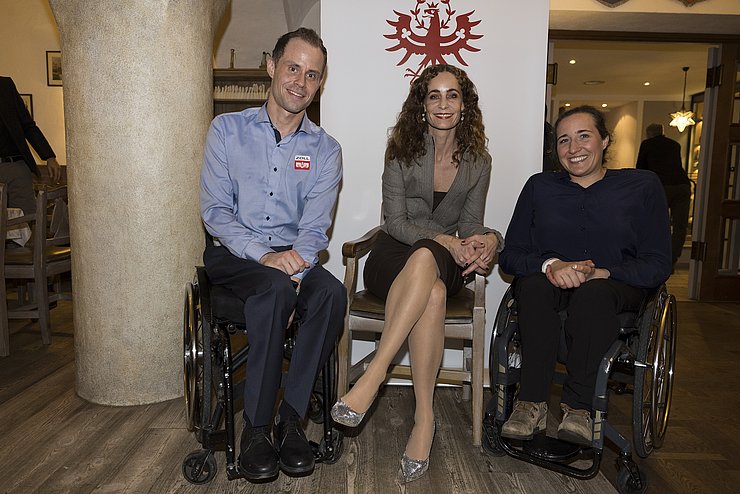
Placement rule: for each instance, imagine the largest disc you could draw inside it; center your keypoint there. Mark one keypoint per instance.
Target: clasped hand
(474, 253)
(289, 262)
(573, 274)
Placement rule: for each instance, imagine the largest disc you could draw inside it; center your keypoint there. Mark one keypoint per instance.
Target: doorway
(638, 81)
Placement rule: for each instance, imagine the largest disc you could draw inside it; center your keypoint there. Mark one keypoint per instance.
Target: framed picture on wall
(53, 68)
(28, 101)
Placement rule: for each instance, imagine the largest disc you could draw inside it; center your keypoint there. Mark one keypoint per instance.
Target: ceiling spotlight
(567, 104)
(604, 105)
(572, 61)
(646, 83)
(683, 118)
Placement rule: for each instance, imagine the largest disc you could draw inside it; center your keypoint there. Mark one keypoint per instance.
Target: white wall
(623, 123)
(365, 89)
(28, 32)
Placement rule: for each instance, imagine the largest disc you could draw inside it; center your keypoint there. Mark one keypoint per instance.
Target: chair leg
(343, 357)
(477, 391)
(42, 306)
(4, 330)
(467, 365)
(477, 373)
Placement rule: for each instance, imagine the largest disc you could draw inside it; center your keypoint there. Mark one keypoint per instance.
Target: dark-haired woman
(435, 180)
(590, 241)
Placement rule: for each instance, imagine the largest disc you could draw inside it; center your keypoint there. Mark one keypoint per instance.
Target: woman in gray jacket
(436, 176)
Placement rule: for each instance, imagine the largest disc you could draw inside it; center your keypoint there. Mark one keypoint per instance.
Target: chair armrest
(359, 247)
(480, 291)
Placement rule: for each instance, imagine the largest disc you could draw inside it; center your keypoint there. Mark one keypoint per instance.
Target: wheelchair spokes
(663, 371)
(192, 358)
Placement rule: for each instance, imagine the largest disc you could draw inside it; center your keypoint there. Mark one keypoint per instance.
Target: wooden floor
(53, 441)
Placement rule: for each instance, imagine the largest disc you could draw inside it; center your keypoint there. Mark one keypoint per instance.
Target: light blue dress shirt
(256, 193)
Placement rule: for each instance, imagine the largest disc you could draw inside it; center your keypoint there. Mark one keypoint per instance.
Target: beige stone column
(137, 103)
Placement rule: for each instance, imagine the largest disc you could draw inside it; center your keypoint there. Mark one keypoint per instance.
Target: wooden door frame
(712, 285)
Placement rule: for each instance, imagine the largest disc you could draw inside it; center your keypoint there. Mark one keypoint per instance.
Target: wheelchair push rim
(654, 373)
(192, 357)
(663, 364)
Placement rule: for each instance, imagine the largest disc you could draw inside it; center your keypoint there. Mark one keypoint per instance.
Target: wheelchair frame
(210, 394)
(643, 357)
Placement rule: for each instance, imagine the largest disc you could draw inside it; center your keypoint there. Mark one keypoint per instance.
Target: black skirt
(389, 256)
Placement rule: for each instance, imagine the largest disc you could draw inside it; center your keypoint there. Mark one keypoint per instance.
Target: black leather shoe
(258, 460)
(296, 456)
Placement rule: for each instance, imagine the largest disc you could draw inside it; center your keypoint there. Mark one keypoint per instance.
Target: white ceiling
(624, 67)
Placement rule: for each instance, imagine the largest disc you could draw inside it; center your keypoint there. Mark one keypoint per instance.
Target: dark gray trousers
(269, 299)
(679, 200)
(18, 178)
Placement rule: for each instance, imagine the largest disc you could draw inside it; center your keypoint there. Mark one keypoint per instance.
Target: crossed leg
(415, 309)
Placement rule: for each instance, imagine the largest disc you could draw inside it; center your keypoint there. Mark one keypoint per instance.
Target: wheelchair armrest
(204, 286)
(359, 247)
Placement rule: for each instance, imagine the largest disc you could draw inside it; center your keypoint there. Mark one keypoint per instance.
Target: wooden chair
(48, 256)
(464, 321)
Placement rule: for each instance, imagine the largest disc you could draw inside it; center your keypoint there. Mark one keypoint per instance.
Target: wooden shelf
(246, 78)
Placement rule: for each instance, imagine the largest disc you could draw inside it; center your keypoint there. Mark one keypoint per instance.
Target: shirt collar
(564, 177)
(305, 126)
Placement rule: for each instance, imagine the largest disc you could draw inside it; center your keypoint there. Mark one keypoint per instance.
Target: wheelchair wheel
(201, 376)
(630, 480)
(199, 467)
(316, 407)
(654, 381)
(502, 402)
(331, 456)
(192, 357)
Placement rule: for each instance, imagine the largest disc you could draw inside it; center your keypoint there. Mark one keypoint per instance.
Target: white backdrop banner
(376, 48)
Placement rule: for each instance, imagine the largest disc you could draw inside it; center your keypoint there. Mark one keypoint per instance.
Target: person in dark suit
(16, 161)
(662, 155)
(435, 180)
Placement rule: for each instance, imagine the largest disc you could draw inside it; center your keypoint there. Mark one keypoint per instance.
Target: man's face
(296, 76)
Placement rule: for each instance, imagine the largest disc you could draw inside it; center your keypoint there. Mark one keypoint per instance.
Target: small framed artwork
(28, 101)
(53, 68)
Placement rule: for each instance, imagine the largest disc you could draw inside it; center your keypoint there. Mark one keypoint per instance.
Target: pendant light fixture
(683, 118)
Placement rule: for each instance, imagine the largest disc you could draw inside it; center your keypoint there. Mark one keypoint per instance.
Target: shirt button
(268, 218)
(270, 194)
(269, 238)
(583, 228)
(274, 169)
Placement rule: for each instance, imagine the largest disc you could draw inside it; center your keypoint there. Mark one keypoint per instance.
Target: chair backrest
(49, 227)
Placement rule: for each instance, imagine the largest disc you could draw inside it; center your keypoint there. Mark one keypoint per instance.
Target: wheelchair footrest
(552, 449)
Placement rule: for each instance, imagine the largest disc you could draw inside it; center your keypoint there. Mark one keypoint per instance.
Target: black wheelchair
(213, 314)
(640, 362)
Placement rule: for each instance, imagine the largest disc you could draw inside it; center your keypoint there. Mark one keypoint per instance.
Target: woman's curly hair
(406, 139)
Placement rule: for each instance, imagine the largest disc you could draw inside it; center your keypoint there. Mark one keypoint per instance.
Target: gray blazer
(408, 197)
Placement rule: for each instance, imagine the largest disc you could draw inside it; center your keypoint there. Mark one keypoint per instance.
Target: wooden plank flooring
(55, 442)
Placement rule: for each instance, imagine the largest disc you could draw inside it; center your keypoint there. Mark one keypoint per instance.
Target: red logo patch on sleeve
(302, 162)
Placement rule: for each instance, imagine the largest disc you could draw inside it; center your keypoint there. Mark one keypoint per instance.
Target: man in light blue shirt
(268, 189)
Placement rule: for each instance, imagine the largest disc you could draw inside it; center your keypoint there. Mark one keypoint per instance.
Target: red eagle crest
(429, 32)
